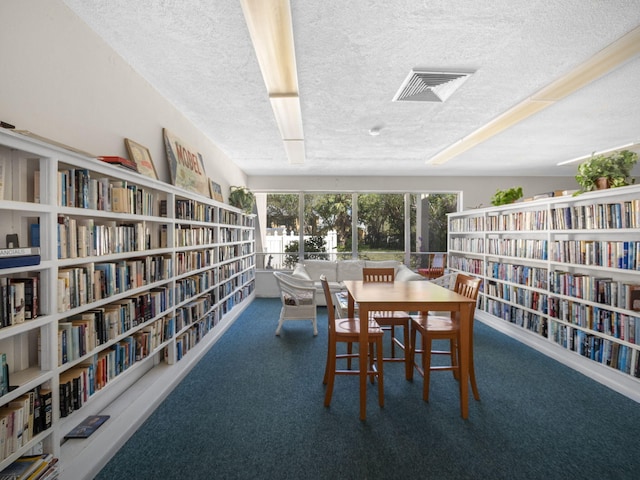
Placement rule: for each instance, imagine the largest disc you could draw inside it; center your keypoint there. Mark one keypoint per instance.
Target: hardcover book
(87, 426)
(123, 162)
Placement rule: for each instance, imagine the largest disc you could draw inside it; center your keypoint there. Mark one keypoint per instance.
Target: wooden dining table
(414, 296)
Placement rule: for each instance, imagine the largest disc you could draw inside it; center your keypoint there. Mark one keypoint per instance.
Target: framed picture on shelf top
(186, 165)
(216, 191)
(142, 157)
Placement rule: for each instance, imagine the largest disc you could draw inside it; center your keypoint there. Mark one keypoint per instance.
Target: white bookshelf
(556, 275)
(190, 270)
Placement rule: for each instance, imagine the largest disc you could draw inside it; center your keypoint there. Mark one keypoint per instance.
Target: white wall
(477, 191)
(61, 81)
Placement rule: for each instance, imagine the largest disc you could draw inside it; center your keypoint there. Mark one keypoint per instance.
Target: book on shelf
(21, 261)
(26, 467)
(123, 162)
(633, 298)
(19, 252)
(87, 427)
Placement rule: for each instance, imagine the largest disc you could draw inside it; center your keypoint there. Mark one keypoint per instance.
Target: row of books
(79, 383)
(230, 234)
(191, 337)
(192, 312)
(95, 281)
(529, 320)
(194, 260)
(619, 325)
(597, 289)
(195, 285)
(80, 238)
(195, 211)
(517, 247)
(521, 274)
(612, 254)
(467, 244)
(192, 236)
(522, 220)
(32, 467)
(531, 299)
(23, 418)
(18, 299)
(82, 333)
(76, 188)
(597, 216)
(596, 348)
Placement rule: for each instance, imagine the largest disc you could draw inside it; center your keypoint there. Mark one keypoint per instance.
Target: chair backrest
(331, 313)
(469, 287)
(295, 287)
(379, 275)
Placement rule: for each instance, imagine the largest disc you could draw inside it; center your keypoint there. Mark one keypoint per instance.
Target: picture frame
(186, 165)
(142, 158)
(216, 191)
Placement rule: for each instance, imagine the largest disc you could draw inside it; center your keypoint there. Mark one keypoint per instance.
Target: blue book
(23, 261)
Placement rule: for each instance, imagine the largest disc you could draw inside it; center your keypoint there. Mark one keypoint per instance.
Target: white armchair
(298, 300)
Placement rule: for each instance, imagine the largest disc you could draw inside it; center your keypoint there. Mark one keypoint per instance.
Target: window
(429, 225)
(322, 225)
(381, 226)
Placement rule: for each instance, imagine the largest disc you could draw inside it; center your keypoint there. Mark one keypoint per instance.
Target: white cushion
(300, 272)
(350, 269)
(405, 274)
(315, 268)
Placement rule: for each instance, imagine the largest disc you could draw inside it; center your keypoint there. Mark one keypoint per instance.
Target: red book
(124, 162)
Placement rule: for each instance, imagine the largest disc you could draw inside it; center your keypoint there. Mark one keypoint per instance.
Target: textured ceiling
(353, 56)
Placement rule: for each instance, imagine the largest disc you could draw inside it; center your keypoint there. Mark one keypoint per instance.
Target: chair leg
(280, 322)
(315, 326)
(408, 365)
(330, 376)
(453, 354)
(392, 329)
(331, 353)
(349, 352)
(380, 361)
(412, 353)
(472, 376)
(372, 360)
(426, 365)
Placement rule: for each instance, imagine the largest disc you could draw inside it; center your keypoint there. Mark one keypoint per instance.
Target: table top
(415, 292)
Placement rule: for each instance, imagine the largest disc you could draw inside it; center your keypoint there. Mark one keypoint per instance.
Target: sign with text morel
(186, 165)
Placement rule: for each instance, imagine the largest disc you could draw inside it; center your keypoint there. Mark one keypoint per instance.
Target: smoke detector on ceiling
(423, 85)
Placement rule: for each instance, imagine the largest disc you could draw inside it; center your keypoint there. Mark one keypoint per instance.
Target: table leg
(363, 349)
(464, 350)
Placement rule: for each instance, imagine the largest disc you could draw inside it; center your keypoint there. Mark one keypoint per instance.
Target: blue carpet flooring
(253, 409)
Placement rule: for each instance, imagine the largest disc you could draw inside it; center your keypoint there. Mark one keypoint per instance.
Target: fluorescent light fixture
(295, 151)
(627, 146)
(271, 31)
(611, 57)
(600, 64)
(286, 108)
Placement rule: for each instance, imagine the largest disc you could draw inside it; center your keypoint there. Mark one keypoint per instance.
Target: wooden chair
(298, 300)
(437, 265)
(432, 327)
(347, 330)
(390, 320)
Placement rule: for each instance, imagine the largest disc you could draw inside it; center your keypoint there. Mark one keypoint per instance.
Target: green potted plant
(509, 195)
(606, 171)
(242, 198)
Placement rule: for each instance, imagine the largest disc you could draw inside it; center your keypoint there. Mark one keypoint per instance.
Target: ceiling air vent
(429, 86)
